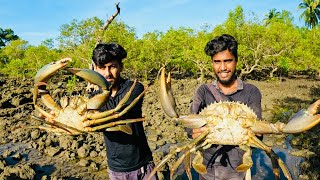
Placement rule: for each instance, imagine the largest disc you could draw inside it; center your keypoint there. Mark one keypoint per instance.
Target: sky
(38, 20)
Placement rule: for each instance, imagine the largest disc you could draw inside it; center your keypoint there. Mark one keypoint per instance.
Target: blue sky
(37, 20)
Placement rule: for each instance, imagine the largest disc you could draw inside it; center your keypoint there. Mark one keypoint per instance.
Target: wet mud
(29, 153)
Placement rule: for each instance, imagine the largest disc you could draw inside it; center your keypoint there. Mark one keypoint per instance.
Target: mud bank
(29, 153)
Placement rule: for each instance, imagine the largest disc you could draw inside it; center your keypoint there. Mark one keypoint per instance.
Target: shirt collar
(239, 88)
(122, 86)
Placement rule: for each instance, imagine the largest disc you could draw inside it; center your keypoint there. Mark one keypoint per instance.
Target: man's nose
(106, 72)
(223, 66)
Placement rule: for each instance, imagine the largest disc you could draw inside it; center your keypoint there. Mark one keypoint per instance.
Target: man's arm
(195, 107)
(197, 101)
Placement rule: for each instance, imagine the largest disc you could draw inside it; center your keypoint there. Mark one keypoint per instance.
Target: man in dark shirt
(227, 87)
(129, 156)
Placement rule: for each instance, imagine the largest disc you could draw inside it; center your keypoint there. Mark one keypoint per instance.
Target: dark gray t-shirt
(126, 152)
(245, 93)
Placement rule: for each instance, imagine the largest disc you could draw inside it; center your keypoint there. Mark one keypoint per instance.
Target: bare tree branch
(108, 22)
(91, 87)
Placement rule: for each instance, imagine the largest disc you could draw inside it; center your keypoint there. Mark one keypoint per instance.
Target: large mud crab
(229, 123)
(78, 114)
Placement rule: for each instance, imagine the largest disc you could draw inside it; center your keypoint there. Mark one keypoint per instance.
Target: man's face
(111, 71)
(224, 66)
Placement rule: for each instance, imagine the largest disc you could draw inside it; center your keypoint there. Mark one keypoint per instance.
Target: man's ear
(93, 66)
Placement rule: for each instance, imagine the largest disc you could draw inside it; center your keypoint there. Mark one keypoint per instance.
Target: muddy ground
(29, 153)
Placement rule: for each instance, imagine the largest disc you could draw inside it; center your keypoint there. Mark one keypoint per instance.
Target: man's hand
(197, 131)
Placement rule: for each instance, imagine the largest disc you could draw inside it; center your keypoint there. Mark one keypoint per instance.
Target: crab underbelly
(71, 118)
(228, 132)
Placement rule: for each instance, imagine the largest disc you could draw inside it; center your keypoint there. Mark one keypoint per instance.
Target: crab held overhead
(79, 114)
(229, 123)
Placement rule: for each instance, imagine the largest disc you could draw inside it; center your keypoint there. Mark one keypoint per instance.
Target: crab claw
(91, 76)
(94, 77)
(304, 119)
(169, 105)
(47, 71)
(166, 97)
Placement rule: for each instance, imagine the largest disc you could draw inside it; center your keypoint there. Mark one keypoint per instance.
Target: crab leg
(179, 149)
(110, 126)
(113, 111)
(197, 162)
(45, 113)
(187, 164)
(246, 159)
(117, 108)
(276, 161)
(60, 127)
(186, 157)
(300, 122)
(124, 128)
(47, 100)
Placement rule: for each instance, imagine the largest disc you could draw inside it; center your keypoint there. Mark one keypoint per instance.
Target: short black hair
(222, 43)
(104, 53)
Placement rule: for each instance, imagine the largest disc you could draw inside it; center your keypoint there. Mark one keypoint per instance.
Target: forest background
(269, 48)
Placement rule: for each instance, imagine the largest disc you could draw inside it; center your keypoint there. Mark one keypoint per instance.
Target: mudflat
(29, 153)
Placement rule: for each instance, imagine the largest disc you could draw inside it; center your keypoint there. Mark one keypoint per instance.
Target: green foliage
(78, 32)
(311, 13)
(7, 35)
(71, 84)
(38, 56)
(284, 64)
(276, 16)
(16, 68)
(269, 47)
(48, 43)
(19, 59)
(13, 51)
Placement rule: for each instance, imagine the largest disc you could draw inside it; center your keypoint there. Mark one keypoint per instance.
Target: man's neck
(228, 88)
(114, 91)
(115, 88)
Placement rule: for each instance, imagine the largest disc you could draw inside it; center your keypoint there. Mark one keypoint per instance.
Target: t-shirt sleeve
(255, 101)
(196, 105)
(197, 100)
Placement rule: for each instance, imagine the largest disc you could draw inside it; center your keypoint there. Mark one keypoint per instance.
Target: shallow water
(262, 169)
